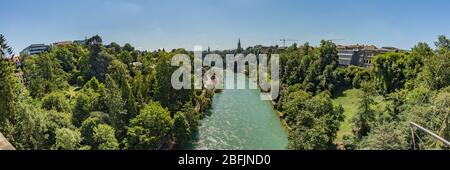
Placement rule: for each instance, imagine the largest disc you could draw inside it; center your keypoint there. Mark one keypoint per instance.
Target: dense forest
(109, 97)
(96, 96)
(400, 87)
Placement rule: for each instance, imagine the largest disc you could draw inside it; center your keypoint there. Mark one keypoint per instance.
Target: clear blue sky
(153, 24)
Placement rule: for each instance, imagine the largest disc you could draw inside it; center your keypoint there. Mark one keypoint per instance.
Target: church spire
(239, 47)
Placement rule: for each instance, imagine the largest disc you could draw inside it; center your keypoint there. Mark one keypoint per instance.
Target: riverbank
(280, 115)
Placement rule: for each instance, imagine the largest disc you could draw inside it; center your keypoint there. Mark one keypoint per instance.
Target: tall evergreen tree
(5, 49)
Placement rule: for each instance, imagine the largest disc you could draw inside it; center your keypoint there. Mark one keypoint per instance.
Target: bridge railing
(437, 137)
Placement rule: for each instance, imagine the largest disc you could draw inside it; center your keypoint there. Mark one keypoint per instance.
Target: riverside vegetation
(95, 96)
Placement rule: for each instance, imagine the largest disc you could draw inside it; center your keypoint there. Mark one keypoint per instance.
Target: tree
(415, 62)
(360, 76)
(314, 121)
(436, 72)
(90, 98)
(120, 74)
(97, 62)
(294, 103)
(138, 88)
(388, 71)
(97, 66)
(104, 137)
(56, 101)
(67, 139)
(164, 92)
(56, 120)
(181, 129)
(94, 44)
(313, 68)
(115, 48)
(163, 86)
(45, 74)
(387, 136)
(66, 58)
(422, 50)
(88, 125)
(328, 54)
(192, 116)
(95, 85)
(441, 110)
(326, 80)
(395, 106)
(114, 106)
(435, 117)
(443, 44)
(11, 90)
(128, 47)
(86, 101)
(366, 115)
(4, 48)
(292, 68)
(150, 129)
(20, 121)
(69, 55)
(125, 57)
(27, 127)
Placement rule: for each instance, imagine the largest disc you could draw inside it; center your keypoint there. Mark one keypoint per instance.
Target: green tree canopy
(88, 125)
(150, 128)
(45, 74)
(443, 44)
(5, 49)
(366, 116)
(181, 130)
(387, 136)
(104, 137)
(314, 121)
(56, 101)
(67, 139)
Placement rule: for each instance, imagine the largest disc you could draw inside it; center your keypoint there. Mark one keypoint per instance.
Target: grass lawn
(349, 100)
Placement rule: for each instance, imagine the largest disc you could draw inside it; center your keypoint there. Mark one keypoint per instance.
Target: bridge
(4, 144)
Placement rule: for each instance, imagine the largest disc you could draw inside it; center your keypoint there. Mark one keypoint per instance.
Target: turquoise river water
(240, 120)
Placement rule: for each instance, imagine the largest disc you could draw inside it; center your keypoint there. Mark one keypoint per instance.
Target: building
(62, 43)
(348, 57)
(366, 56)
(239, 48)
(80, 42)
(361, 55)
(35, 49)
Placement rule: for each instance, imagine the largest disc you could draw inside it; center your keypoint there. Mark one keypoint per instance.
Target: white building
(361, 55)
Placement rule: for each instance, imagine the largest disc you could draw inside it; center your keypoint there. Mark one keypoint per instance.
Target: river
(240, 120)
